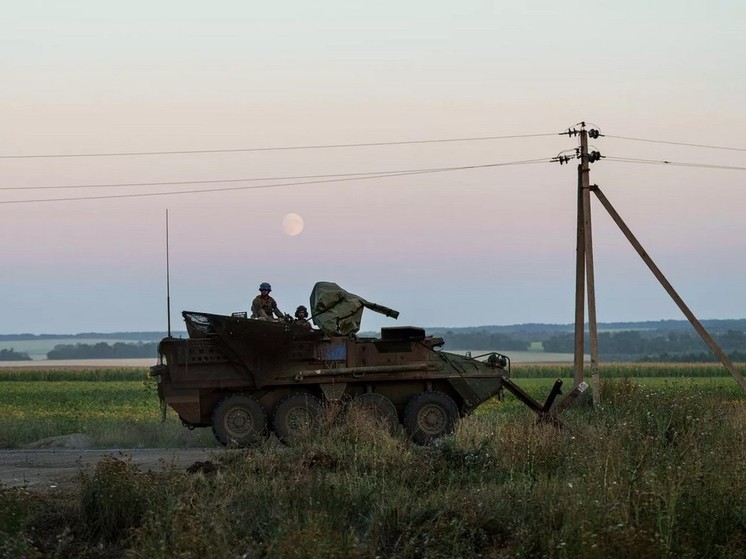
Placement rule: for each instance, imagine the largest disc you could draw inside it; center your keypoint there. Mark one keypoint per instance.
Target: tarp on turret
(339, 312)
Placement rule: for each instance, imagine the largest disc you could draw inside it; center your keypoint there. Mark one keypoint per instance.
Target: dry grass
(655, 472)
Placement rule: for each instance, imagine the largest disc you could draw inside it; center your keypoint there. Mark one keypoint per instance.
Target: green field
(115, 408)
(626, 370)
(658, 470)
(120, 407)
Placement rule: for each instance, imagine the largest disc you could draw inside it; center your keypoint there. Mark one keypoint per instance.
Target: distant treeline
(102, 350)
(135, 336)
(13, 355)
(531, 332)
(651, 346)
(539, 331)
(707, 357)
(629, 345)
(663, 340)
(625, 345)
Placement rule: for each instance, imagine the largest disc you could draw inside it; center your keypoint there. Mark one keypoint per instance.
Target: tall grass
(654, 472)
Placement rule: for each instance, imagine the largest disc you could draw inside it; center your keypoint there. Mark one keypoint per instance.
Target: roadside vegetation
(659, 470)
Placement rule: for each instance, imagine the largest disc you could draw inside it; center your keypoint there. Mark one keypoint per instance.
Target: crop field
(115, 408)
(120, 407)
(658, 470)
(627, 370)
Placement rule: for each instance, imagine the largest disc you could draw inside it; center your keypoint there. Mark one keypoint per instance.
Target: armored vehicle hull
(247, 377)
(244, 377)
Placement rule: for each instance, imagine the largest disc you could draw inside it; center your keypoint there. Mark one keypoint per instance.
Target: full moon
(292, 224)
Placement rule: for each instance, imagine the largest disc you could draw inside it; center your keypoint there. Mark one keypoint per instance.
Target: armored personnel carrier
(247, 377)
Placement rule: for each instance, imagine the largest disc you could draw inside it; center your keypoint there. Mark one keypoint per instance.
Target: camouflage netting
(336, 311)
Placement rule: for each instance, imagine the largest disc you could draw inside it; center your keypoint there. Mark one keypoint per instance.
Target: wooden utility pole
(584, 278)
(579, 287)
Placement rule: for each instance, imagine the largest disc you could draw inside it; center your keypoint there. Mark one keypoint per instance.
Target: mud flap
(333, 390)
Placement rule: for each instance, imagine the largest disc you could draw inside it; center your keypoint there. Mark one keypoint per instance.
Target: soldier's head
(265, 288)
(301, 312)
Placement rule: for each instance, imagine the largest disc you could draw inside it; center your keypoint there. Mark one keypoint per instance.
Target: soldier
(263, 306)
(301, 317)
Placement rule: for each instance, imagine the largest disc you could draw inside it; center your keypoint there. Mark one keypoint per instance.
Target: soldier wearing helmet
(301, 317)
(263, 306)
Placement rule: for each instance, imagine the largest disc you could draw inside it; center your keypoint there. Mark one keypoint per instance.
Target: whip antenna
(168, 282)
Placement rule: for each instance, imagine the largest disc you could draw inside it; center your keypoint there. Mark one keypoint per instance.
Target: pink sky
(491, 246)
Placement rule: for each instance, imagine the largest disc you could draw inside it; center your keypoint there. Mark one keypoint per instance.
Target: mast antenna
(168, 282)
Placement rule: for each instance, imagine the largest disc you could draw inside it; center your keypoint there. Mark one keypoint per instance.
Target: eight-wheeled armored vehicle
(246, 377)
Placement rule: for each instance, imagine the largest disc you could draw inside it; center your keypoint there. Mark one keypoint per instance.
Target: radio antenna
(168, 282)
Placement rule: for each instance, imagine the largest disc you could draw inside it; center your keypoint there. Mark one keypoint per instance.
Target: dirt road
(56, 468)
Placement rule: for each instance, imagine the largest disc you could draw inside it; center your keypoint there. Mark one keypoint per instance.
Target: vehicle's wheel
(379, 406)
(429, 416)
(239, 420)
(295, 414)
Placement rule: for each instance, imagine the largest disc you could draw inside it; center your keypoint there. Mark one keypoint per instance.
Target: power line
(251, 187)
(275, 148)
(675, 143)
(672, 163)
(252, 179)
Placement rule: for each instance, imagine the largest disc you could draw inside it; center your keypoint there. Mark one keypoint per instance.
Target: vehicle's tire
(239, 420)
(295, 415)
(380, 407)
(429, 416)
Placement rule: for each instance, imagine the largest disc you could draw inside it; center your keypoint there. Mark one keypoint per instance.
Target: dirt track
(55, 468)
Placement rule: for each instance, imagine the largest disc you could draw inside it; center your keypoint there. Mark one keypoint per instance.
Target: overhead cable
(675, 143)
(279, 185)
(255, 179)
(672, 163)
(275, 148)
